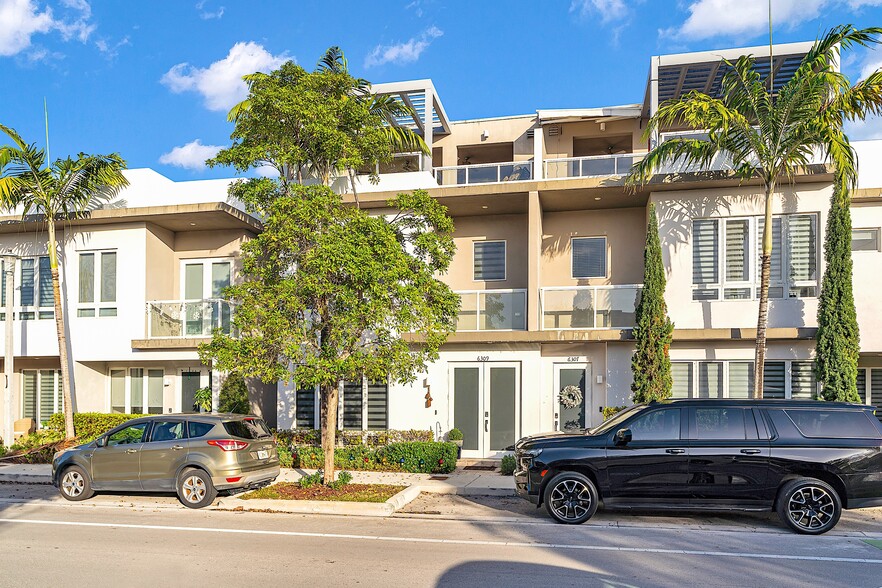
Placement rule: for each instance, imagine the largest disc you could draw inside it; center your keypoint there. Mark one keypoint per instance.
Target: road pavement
(112, 540)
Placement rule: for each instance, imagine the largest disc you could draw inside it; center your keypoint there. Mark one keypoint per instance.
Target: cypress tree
(651, 363)
(838, 345)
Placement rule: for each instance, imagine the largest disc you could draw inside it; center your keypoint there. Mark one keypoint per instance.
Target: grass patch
(348, 493)
(874, 543)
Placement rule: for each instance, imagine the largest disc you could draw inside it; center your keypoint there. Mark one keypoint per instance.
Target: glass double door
(486, 405)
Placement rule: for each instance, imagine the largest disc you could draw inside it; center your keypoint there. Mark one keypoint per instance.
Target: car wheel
(809, 506)
(75, 485)
(195, 489)
(571, 498)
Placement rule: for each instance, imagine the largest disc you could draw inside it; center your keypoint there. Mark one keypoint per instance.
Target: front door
(571, 396)
(116, 466)
(163, 454)
(486, 406)
(191, 382)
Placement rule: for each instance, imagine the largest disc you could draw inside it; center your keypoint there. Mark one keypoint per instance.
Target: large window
(41, 394)
(726, 257)
(865, 239)
(734, 379)
(35, 289)
(869, 385)
(136, 390)
(97, 284)
(489, 260)
(589, 257)
(364, 405)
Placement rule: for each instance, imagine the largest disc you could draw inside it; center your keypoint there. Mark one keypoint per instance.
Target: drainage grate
(484, 468)
(439, 477)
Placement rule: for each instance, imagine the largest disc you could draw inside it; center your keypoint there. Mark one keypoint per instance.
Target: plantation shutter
(352, 404)
(740, 379)
(136, 386)
(60, 391)
(681, 373)
(589, 257)
(118, 391)
(773, 379)
(710, 379)
(378, 405)
(108, 276)
(155, 382)
(305, 414)
(862, 384)
(47, 298)
(803, 385)
(876, 387)
(29, 394)
(775, 273)
(705, 250)
(737, 249)
(47, 394)
(802, 243)
(87, 278)
(489, 262)
(27, 282)
(3, 287)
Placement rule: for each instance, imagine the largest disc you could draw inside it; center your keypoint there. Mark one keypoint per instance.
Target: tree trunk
(763, 315)
(351, 174)
(69, 432)
(330, 398)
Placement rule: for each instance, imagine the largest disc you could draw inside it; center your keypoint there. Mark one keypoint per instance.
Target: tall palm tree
(771, 136)
(60, 190)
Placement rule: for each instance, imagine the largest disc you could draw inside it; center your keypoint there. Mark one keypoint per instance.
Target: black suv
(806, 460)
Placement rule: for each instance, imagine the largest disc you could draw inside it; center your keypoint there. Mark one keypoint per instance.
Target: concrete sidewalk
(461, 482)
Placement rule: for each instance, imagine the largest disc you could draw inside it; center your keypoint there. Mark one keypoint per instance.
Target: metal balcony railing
(590, 166)
(589, 307)
(484, 173)
(492, 310)
(177, 319)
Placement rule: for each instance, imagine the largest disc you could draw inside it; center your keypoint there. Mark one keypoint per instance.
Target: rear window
(248, 429)
(199, 429)
(837, 424)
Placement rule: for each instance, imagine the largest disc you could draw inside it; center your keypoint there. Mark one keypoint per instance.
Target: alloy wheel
(194, 489)
(811, 507)
(73, 483)
(570, 499)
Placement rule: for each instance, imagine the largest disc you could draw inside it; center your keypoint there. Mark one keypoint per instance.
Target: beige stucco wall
(868, 279)
(160, 264)
(562, 144)
(512, 228)
(624, 229)
(503, 130)
(206, 244)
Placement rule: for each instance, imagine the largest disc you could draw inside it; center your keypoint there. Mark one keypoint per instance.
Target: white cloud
(402, 53)
(864, 130)
(207, 14)
(742, 19)
(609, 10)
(190, 156)
(79, 26)
(221, 83)
(20, 20)
(111, 50)
(857, 4)
(266, 171)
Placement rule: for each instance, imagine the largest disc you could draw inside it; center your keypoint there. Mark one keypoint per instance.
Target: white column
(8, 420)
(428, 125)
(653, 97)
(285, 405)
(538, 153)
(217, 380)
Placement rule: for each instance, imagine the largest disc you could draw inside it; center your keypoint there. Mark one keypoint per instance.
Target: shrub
(234, 395)
(454, 434)
(610, 411)
(300, 437)
(89, 425)
(37, 439)
(508, 465)
(285, 459)
(310, 480)
(416, 456)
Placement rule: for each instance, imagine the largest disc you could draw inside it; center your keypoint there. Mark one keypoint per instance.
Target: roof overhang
(608, 113)
(413, 93)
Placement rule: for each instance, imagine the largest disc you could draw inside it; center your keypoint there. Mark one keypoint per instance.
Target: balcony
(589, 307)
(492, 310)
(188, 319)
(590, 166)
(484, 173)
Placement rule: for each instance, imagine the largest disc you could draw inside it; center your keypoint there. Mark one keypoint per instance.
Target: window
(803, 384)
(774, 380)
(127, 436)
(203, 283)
(35, 293)
(837, 424)
(136, 390)
(97, 284)
(721, 424)
(734, 379)
(659, 425)
(353, 395)
(489, 260)
(41, 394)
(305, 408)
(681, 373)
(789, 380)
(710, 379)
(589, 257)
(197, 429)
(248, 428)
(865, 239)
(167, 431)
(377, 405)
(726, 257)
(740, 379)
(363, 403)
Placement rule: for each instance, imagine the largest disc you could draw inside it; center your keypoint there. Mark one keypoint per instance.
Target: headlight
(531, 452)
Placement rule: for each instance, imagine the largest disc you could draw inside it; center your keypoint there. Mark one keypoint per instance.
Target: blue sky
(154, 80)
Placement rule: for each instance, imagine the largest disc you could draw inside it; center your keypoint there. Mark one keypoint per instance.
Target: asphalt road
(133, 541)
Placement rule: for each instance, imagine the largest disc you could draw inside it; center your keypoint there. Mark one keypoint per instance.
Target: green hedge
(428, 457)
(348, 438)
(89, 425)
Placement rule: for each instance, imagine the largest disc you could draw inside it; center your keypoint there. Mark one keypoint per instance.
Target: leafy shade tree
(770, 138)
(317, 124)
(61, 190)
(234, 395)
(651, 363)
(330, 292)
(838, 346)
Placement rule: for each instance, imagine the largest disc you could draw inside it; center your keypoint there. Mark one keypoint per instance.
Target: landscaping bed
(346, 493)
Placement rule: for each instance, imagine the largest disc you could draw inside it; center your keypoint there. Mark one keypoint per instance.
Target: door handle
(177, 447)
(750, 451)
(675, 451)
(131, 451)
(486, 425)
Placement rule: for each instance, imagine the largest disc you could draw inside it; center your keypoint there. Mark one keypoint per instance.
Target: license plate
(263, 454)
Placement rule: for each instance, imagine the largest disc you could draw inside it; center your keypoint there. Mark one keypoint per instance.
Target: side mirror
(101, 441)
(623, 436)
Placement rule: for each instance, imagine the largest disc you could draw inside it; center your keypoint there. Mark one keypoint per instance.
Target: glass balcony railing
(177, 319)
(589, 307)
(590, 166)
(484, 173)
(492, 310)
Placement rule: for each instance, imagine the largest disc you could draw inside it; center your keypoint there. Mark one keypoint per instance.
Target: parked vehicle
(806, 460)
(195, 455)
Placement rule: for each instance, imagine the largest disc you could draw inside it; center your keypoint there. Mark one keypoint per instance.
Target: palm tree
(65, 189)
(771, 137)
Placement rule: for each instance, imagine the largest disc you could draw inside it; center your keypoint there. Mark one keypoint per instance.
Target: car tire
(571, 498)
(809, 506)
(74, 484)
(195, 489)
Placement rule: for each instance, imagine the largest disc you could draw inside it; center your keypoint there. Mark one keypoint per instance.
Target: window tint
(133, 434)
(199, 429)
(248, 428)
(489, 260)
(589, 257)
(659, 425)
(719, 423)
(167, 431)
(839, 424)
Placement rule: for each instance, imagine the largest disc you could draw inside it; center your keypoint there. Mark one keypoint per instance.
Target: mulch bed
(348, 493)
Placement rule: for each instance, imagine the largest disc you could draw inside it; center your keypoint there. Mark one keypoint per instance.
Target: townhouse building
(548, 266)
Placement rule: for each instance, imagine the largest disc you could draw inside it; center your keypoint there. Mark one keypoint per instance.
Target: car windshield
(248, 428)
(616, 419)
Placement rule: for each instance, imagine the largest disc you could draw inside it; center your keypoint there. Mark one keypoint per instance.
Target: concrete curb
(25, 479)
(364, 509)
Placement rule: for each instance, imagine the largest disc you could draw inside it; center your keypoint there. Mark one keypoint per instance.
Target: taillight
(228, 444)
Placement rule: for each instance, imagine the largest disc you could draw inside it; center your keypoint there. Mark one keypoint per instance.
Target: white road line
(452, 541)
